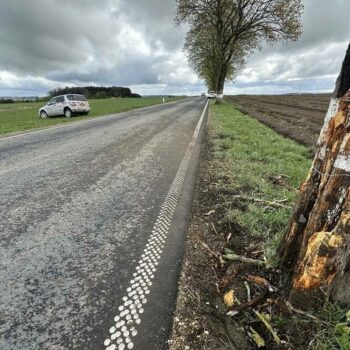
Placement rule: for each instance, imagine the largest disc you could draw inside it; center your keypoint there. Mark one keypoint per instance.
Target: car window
(60, 99)
(79, 98)
(76, 98)
(53, 100)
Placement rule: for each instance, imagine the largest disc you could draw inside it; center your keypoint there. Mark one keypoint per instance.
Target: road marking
(84, 121)
(130, 311)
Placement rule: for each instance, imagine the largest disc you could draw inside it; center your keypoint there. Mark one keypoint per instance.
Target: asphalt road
(92, 224)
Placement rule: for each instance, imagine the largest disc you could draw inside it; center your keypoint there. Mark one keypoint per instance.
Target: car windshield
(76, 98)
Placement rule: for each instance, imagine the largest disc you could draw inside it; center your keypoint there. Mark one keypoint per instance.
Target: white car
(66, 105)
(211, 94)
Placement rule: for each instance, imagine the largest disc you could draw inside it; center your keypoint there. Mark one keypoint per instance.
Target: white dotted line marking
(131, 309)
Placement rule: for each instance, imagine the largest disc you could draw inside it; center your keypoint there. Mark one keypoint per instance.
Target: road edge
(170, 227)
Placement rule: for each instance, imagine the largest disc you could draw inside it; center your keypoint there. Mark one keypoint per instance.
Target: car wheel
(43, 115)
(68, 113)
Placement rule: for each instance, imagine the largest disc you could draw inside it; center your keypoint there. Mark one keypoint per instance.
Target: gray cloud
(156, 19)
(45, 35)
(318, 53)
(97, 41)
(44, 44)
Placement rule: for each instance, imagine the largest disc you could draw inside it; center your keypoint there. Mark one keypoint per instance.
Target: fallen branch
(251, 303)
(274, 204)
(211, 253)
(261, 282)
(214, 228)
(257, 338)
(247, 287)
(291, 308)
(234, 257)
(281, 200)
(263, 319)
(230, 275)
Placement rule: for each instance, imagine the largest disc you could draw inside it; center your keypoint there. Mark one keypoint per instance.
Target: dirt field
(299, 117)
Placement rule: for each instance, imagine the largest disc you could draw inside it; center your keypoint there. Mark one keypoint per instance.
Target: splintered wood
(316, 246)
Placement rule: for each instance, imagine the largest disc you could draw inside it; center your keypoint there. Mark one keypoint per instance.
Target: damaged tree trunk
(221, 84)
(316, 247)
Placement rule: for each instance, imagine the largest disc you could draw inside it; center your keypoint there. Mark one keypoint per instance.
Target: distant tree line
(7, 100)
(95, 91)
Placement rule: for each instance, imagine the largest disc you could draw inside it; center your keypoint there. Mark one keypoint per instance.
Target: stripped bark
(316, 246)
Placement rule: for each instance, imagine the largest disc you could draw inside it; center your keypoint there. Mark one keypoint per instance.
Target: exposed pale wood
(316, 247)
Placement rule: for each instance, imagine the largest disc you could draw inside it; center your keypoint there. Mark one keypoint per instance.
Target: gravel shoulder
(196, 324)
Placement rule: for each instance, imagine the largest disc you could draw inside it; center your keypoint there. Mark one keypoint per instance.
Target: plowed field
(299, 117)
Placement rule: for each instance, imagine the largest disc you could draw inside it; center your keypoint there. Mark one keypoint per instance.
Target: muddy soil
(201, 320)
(299, 117)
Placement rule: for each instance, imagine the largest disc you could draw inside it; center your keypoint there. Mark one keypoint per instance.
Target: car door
(50, 108)
(59, 105)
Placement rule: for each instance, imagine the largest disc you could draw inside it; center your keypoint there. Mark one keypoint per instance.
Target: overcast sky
(50, 43)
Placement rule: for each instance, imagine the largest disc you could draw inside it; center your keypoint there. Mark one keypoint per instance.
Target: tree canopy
(223, 32)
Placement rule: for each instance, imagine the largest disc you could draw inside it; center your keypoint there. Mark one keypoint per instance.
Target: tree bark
(316, 247)
(221, 84)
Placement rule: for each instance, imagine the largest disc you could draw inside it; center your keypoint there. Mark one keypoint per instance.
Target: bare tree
(236, 26)
(316, 248)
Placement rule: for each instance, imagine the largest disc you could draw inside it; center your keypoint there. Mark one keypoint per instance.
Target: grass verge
(258, 165)
(23, 116)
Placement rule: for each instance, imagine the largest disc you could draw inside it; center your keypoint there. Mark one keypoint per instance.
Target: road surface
(92, 224)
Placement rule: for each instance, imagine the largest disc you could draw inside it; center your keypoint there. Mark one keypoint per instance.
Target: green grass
(19, 116)
(333, 333)
(249, 153)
